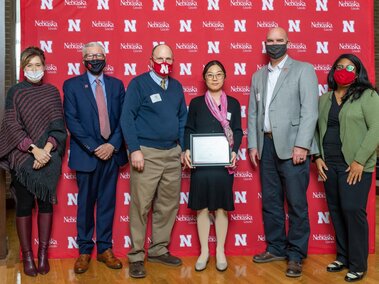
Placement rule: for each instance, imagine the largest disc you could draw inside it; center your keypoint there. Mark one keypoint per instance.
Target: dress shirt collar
(279, 66)
(92, 78)
(158, 79)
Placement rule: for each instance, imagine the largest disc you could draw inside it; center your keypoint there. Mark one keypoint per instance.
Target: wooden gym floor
(241, 269)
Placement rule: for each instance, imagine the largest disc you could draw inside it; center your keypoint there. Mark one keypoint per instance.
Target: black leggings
(26, 200)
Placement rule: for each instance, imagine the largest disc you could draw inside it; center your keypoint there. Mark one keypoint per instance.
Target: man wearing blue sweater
(152, 121)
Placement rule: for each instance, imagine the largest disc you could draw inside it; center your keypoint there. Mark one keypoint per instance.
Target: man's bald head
(277, 36)
(276, 44)
(161, 60)
(161, 48)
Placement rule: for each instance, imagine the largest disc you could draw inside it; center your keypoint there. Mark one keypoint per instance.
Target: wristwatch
(31, 147)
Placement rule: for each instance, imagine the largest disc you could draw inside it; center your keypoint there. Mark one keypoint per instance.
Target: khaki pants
(156, 187)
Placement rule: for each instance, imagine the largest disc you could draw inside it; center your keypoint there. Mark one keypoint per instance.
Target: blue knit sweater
(151, 116)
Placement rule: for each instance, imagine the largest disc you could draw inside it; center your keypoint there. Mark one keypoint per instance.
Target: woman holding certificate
(211, 185)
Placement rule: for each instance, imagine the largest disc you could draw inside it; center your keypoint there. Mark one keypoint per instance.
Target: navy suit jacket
(82, 119)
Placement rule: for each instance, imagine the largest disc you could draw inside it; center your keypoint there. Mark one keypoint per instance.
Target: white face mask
(34, 76)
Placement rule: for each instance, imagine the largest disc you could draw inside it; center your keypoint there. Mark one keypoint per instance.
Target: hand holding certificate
(209, 150)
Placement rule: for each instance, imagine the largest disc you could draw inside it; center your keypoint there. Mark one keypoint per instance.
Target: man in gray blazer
(281, 125)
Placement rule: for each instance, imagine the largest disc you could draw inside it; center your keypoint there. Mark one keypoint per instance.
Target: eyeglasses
(91, 56)
(160, 60)
(349, 68)
(211, 76)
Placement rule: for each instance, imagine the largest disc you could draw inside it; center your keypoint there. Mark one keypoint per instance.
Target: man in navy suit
(92, 106)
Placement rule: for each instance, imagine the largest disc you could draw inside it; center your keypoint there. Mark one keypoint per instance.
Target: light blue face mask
(34, 76)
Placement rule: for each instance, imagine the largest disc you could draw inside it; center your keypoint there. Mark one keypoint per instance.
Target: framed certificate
(209, 150)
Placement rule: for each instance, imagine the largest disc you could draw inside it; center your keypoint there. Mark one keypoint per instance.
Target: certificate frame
(209, 149)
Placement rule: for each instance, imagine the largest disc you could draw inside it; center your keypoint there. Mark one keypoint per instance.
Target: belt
(269, 135)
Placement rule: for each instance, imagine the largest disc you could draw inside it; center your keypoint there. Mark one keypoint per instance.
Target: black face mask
(276, 51)
(95, 66)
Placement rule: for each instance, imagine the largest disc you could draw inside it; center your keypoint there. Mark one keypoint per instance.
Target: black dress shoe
(137, 269)
(166, 259)
(335, 266)
(294, 269)
(267, 257)
(354, 276)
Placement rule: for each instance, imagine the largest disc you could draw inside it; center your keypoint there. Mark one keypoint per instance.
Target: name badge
(155, 98)
(258, 96)
(228, 115)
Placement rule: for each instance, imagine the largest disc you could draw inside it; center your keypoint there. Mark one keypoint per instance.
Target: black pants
(347, 207)
(26, 200)
(282, 179)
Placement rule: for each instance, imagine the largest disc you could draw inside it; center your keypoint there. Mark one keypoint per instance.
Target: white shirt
(273, 75)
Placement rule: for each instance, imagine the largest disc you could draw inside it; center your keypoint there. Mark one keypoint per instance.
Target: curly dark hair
(31, 52)
(361, 82)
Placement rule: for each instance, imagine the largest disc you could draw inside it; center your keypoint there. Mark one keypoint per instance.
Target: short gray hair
(91, 44)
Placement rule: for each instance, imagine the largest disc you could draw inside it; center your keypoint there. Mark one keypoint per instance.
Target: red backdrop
(231, 31)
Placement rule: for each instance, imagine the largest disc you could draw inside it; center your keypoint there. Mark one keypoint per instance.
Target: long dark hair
(360, 84)
(210, 64)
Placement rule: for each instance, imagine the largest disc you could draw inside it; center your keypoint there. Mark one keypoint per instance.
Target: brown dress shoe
(137, 269)
(267, 257)
(82, 263)
(166, 259)
(109, 259)
(294, 269)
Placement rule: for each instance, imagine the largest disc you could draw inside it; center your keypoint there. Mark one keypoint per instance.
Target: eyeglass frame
(347, 67)
(212, 76)
(90, 56)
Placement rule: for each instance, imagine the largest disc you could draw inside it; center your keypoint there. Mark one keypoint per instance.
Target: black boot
(24, 231)
(44, 231)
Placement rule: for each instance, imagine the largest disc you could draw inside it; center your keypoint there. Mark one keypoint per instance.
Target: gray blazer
(293, 109)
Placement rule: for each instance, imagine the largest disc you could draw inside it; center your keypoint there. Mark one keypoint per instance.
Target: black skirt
(212, 188)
